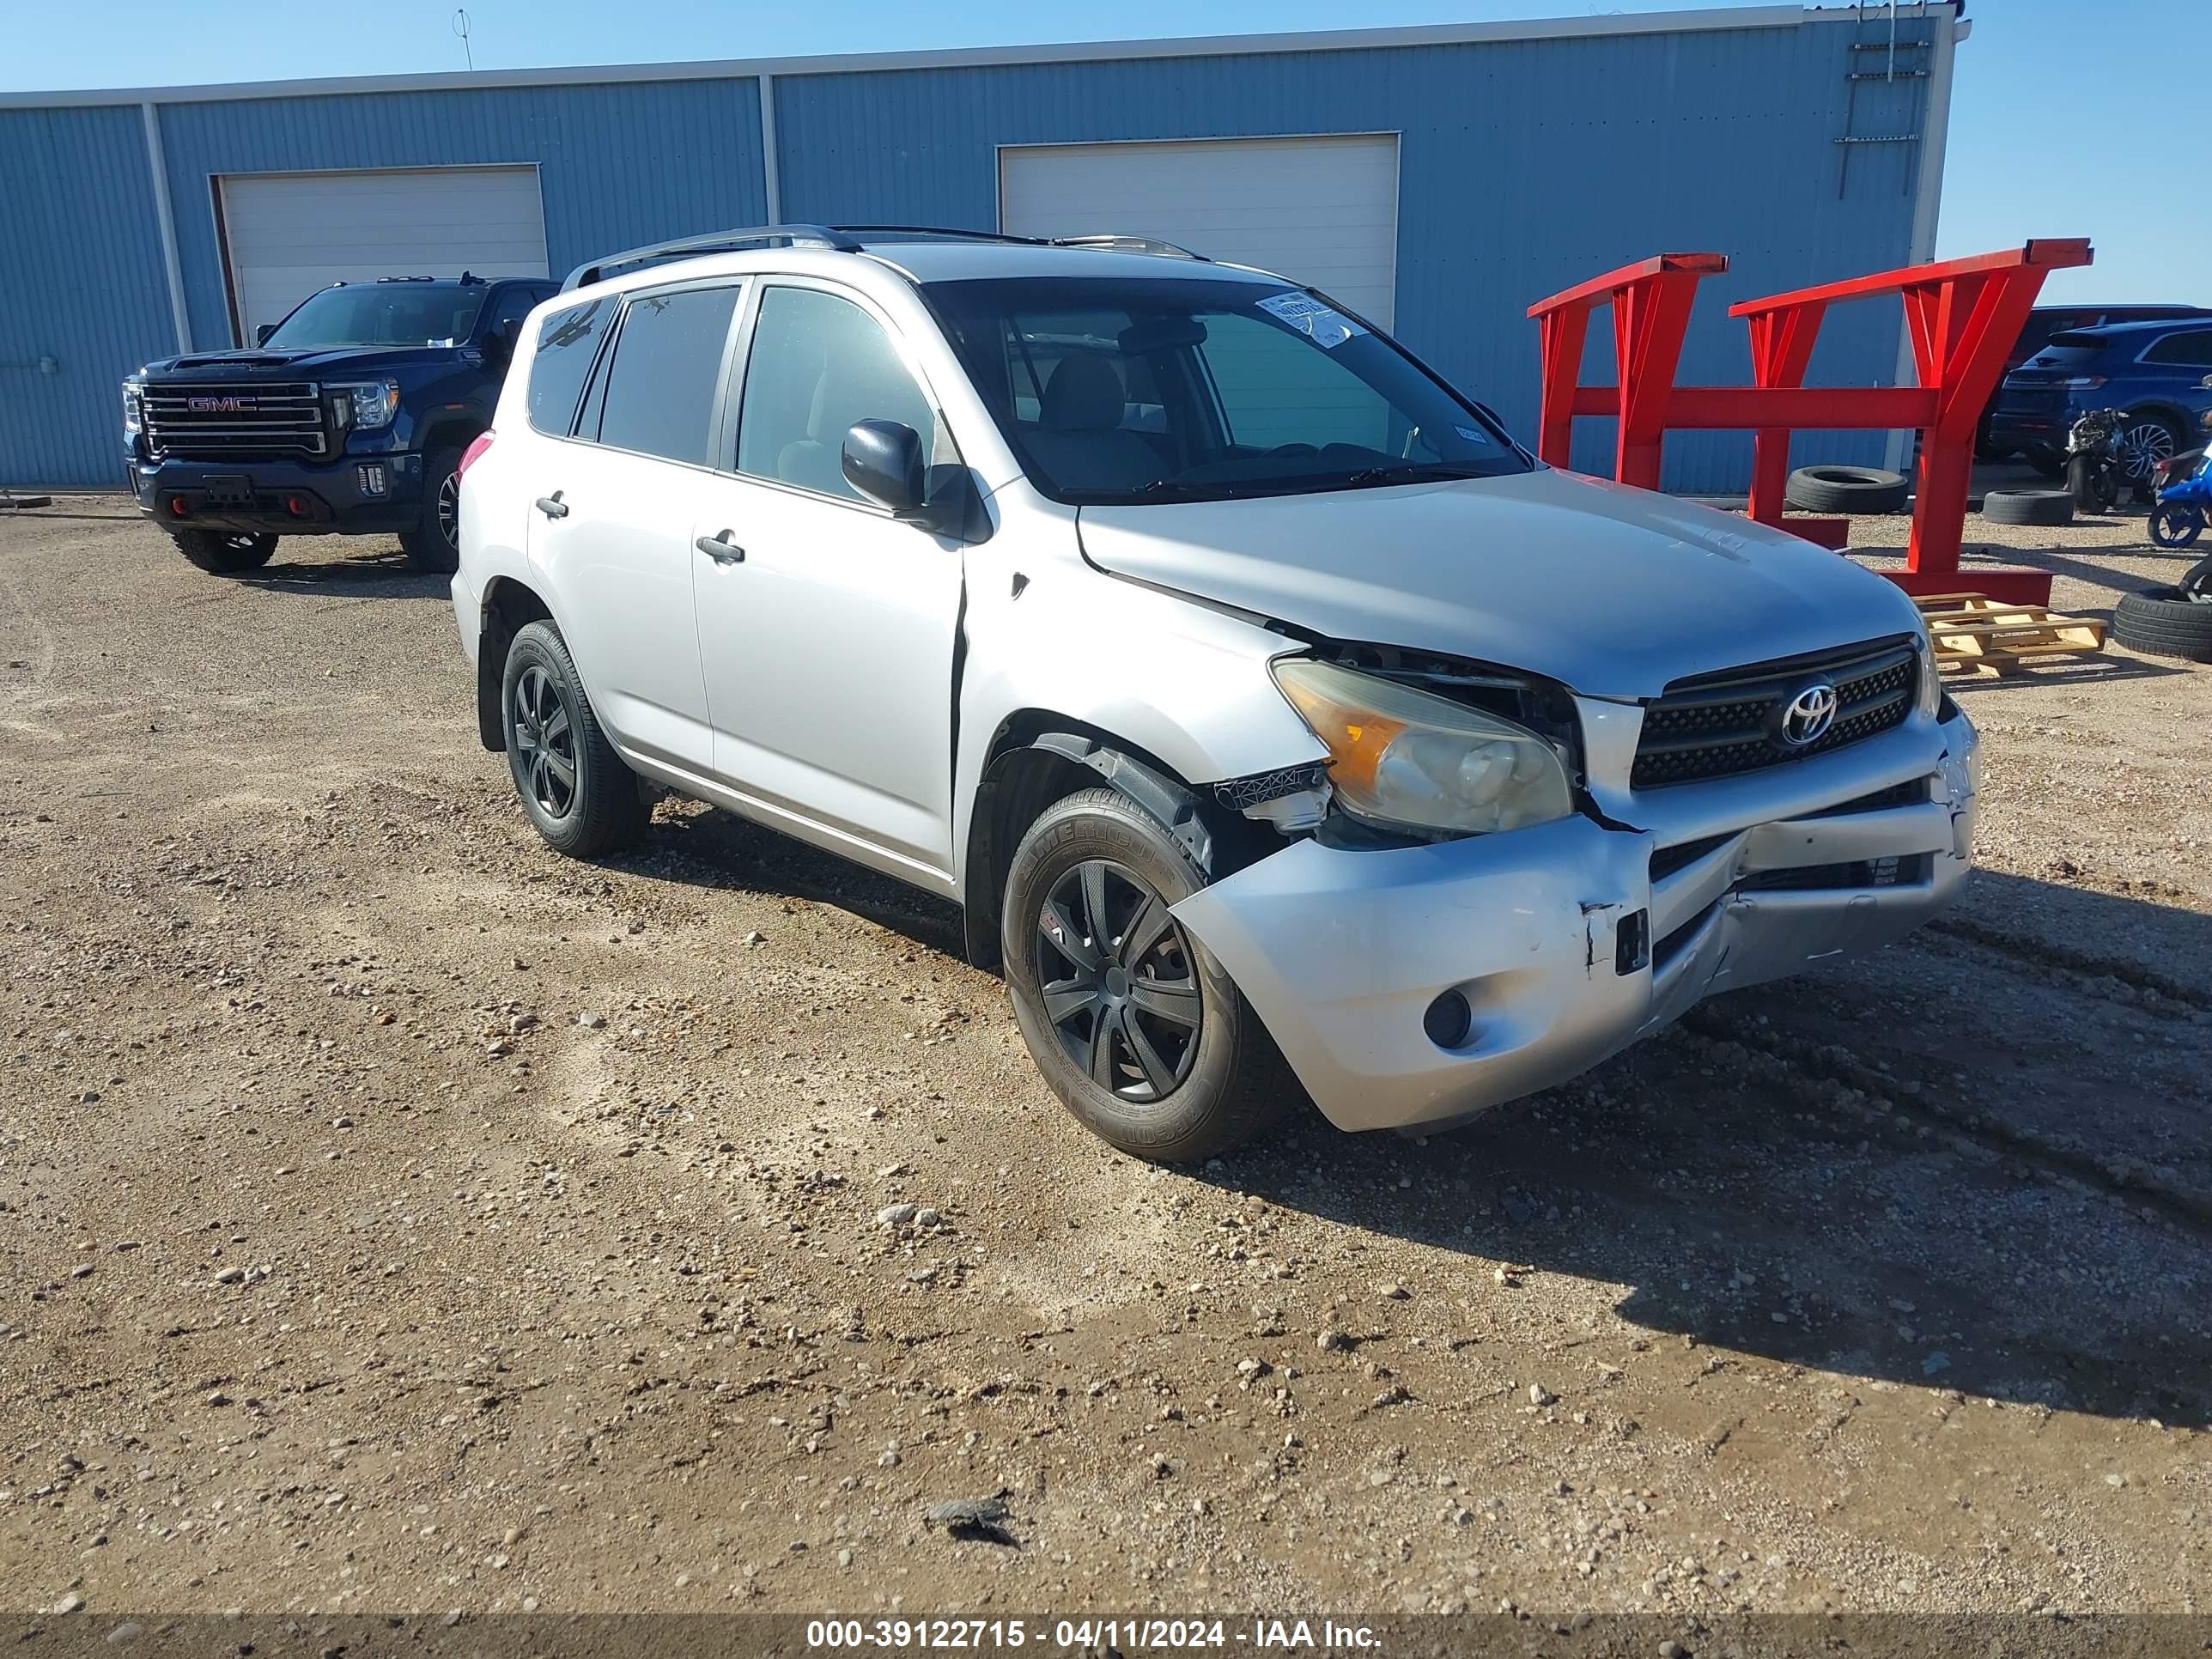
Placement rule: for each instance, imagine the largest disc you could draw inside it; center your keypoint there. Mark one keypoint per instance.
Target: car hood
(259, 363)
(1612, 591)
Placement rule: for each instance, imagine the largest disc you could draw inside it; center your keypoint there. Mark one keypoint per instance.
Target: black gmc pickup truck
(347, 418)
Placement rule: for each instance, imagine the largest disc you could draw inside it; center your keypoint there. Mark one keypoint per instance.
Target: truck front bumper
(284, 498)
(1570, 940)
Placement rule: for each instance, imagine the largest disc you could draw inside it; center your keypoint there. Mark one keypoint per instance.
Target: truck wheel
(434, 546)
(225, 551)
(574, 788)
(1141, 1034)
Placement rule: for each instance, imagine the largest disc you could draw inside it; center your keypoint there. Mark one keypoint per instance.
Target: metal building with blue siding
(1439, 178)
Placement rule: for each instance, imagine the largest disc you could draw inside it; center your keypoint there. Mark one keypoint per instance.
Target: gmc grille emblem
(214, 405)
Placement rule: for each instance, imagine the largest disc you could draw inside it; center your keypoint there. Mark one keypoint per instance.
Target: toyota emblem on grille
(1806, 716)
(229, 405)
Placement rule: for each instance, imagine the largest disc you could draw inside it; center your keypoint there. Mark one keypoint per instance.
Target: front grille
(219, 420)
(1719, 725)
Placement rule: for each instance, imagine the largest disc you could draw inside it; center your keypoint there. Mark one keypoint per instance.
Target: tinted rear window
(2068, 351)
(567, 342)
(667, 365)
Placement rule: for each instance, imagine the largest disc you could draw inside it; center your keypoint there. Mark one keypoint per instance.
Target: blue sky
(2113, 154)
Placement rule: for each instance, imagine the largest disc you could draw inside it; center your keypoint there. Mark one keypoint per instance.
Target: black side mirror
(883, 461)
(262, 332)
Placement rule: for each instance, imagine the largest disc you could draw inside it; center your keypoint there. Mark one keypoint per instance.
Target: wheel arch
(509, 606)
(2175, 414)
(452, 429)
(1039, 755)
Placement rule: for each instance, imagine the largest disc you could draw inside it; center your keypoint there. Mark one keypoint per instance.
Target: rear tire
(2145, 439)
(2035, 506)
(578, 792)
(1145, 980)
(2178, 526)
(225, 552)
(434, 546)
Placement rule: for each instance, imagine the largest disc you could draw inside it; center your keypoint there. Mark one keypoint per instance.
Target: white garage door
(1321, 211)
(288, 234)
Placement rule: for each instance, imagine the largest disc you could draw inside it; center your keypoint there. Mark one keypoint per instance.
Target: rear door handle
(552, 506)
(720, 548)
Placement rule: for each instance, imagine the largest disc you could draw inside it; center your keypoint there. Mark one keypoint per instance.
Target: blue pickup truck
(348, 417)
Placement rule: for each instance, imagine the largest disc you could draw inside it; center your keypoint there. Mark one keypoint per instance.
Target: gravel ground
(400, 1217)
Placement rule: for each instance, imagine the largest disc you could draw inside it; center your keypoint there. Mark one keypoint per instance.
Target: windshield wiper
(1410, 473)
(1181, 486)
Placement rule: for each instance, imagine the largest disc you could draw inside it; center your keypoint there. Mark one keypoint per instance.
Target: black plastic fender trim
(1175, 806)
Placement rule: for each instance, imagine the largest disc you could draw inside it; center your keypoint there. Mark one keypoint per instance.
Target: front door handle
(552, 506)
(720, 548)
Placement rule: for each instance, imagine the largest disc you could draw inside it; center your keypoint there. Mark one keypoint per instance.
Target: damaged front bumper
(1570, 940)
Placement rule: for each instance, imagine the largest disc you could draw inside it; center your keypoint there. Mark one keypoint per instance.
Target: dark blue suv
(350, 417)
(2159, 373)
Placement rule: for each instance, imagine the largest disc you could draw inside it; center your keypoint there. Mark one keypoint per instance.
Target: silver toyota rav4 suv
(1269, 712)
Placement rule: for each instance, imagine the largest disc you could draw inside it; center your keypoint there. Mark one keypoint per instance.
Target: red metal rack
(1962, 314)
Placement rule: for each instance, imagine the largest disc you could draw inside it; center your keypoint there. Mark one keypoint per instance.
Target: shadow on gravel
(386, 574)
(1977, 1160)
(1970, 1161)
(701, 847)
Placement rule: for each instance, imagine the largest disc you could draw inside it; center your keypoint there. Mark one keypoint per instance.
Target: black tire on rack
(2035, 506)
(2164, 621)
(1847, 489)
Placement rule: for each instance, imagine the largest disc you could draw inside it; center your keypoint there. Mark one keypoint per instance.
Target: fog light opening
(1449, 1020)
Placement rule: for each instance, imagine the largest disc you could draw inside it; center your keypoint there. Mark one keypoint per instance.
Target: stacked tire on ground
(2169, 621)
(1846, 490)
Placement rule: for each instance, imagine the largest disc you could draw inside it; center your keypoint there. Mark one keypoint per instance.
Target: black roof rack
(936, 234)
(719, 241)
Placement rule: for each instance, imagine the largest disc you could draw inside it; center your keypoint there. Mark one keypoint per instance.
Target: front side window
(567, 342)
(381, 314)
(1122, 389)
(820, 363)
(668, 367)
(2193, 350)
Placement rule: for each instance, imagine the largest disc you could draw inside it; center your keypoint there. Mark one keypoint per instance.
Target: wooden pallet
(1985, 636)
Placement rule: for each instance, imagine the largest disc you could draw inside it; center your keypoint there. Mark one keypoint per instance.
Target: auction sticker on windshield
(1329, 328)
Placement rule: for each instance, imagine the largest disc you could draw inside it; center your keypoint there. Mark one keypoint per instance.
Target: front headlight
(1404, 758)
(134, 409)
(1931, 678)
(368, 405)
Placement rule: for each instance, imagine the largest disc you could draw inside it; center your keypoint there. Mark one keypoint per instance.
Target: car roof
(2172, 310)
(2116, 332)
(950, 261)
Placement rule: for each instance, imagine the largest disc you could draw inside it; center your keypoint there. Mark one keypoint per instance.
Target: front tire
(1140, 1031)
(225, 552)
(434, 546)
(578, 792)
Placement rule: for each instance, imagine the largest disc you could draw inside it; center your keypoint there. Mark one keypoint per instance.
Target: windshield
(1117, 390)
(383, 314)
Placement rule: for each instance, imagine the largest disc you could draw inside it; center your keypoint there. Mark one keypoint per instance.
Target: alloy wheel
(449, 511)
(1119, 981)
(2141, 446)
(545, 742)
